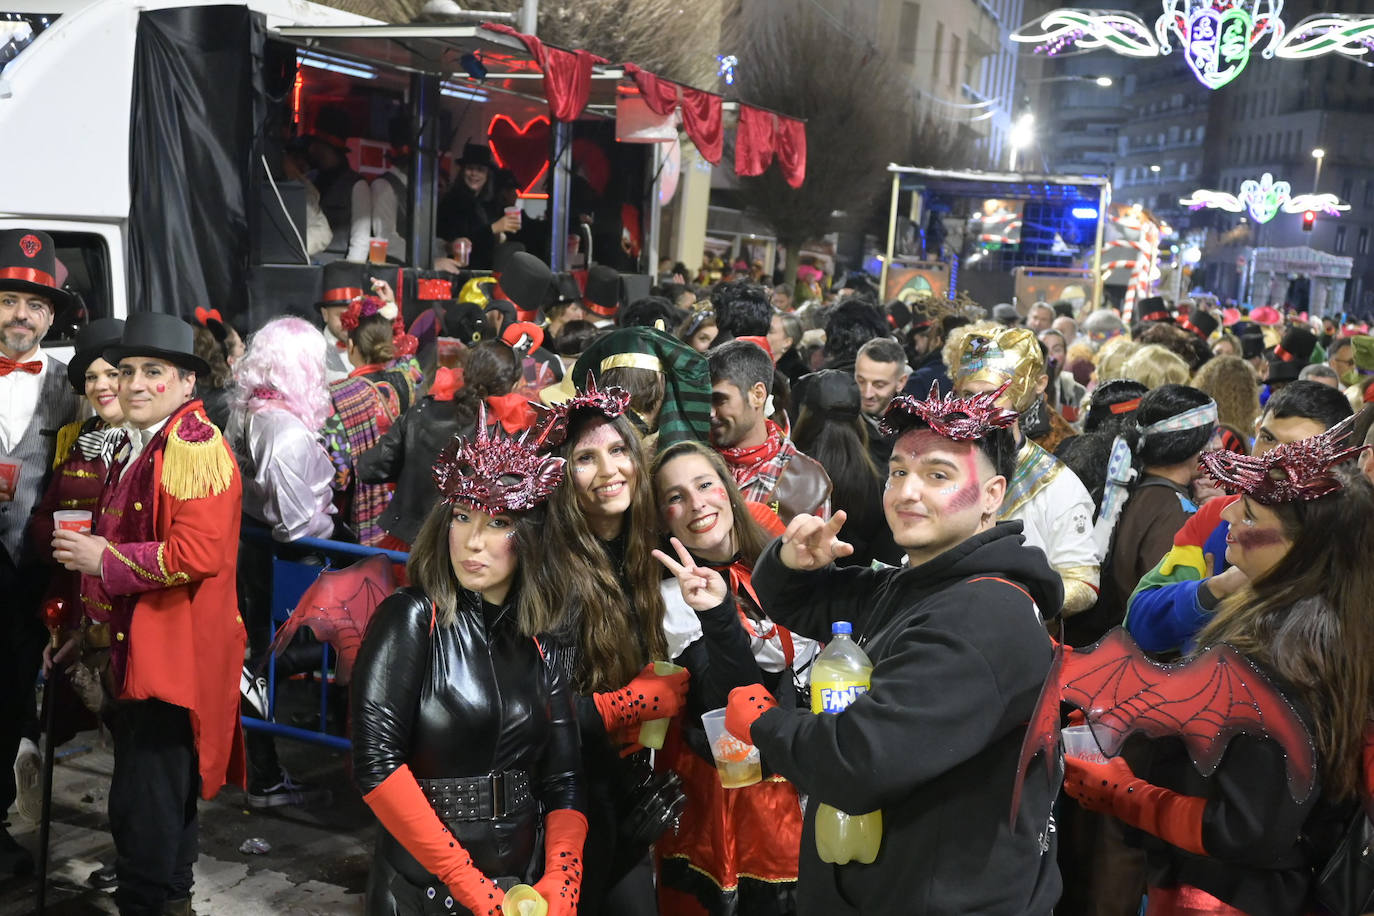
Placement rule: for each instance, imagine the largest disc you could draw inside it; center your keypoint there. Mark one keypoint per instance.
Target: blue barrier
(290, 579)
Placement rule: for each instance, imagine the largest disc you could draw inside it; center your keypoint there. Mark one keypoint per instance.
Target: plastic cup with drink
(376, 251)
(516, 214)
(1080, 744)
(523, 900)
(736, 762)
(652, 732)
(78, 520)
(461, 249)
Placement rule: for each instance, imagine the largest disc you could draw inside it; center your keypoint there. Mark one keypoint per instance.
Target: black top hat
(502, 253)
(526, 280)
(1200, 322)
(476, 154)
(1152, 308)
(28, 264)
(160, 336)
(603, 291)
(91, 343)
(344, 281)
(1293, 352)
(466, 321)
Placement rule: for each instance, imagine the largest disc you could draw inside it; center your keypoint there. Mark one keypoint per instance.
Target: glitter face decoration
(1287, 473)
(961, 419)
(1012, 357)
(497, 472)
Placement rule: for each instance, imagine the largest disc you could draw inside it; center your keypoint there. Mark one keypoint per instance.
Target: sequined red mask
(961, 419)
(497, 472)
(1296, 471)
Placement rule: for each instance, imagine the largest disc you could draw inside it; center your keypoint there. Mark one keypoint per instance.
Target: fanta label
(834, 696)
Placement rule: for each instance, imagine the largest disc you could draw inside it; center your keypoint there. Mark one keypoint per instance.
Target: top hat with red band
(1199, 322)
(1153, 308)
(1292, 353)
(602, 295)
(344, 281)
(526, 281)
(28, 264)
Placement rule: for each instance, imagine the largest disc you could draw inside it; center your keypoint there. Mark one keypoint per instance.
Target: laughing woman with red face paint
(465, 737)
(1244, 840)
(735, 850)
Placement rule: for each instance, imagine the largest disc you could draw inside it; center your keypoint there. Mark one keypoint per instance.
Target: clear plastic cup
(376, 251)
(517, 213)
(652, 732)
(736, 762)
(523, 900)
(1080, 744)
(72, 520)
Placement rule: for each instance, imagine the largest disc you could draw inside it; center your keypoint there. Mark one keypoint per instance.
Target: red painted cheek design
(967, 496)
(719, 493)
(674, 512)
(1255, 539)
(161, 389)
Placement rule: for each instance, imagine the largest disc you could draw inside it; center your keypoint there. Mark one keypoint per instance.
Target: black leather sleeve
(382, 463)
(721, 660)
(387, 679)
(560, 776)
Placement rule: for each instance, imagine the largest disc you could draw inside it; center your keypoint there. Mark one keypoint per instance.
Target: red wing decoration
(1042, 732)
(1205, 701)
(338, 606)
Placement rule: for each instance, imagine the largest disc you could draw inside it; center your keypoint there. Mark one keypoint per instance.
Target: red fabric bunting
(790, 141)
(754, 141)
(703, 119)
(659, 94)
(567, 74)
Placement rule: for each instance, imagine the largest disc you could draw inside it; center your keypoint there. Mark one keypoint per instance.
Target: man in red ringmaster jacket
(159, 570)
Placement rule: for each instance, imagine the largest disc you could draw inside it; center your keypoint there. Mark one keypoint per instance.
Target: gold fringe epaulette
(66, 440)
(196, 463)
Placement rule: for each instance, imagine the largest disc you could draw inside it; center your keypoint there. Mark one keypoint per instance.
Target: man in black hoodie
(959, 654)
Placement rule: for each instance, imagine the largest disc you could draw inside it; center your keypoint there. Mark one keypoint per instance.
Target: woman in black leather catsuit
(465, 739)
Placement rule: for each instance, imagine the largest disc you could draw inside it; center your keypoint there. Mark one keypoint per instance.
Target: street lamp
(1021, 136)
(1104, 81)
(1318, 154)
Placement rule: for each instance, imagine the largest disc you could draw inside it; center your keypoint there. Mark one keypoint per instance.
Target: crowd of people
(619, 512)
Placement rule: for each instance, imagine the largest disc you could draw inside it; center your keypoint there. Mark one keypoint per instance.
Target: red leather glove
(401, 806)
(648, 696)
(745, 706)
(1111, 788)
(565, 830)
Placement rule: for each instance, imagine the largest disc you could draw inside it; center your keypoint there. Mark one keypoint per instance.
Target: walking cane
(54, 615)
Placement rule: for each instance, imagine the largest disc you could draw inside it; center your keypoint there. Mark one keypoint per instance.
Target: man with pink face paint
(958, 648)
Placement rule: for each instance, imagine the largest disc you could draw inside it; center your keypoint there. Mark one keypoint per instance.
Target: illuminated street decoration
(1216, 37)
(1265, 199)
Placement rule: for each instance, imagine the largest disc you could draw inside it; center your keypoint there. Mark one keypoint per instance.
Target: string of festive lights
(1216, 37)
(1264, 199)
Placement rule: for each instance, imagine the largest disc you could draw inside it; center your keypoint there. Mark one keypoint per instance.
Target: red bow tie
(7, 365)
(341, 345)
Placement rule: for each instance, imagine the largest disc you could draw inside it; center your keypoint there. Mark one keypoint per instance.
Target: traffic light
(1309, 219)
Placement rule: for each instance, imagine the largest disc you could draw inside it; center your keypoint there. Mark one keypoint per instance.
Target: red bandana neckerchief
(750, 456)
(367, 370)
(740, 577)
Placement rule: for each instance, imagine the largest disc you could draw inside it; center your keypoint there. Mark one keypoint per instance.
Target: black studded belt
(478, 798)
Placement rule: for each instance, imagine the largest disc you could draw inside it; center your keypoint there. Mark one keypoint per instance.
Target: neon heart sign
(522, 148)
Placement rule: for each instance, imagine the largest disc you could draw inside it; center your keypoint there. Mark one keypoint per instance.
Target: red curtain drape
(703, 118)
(790, 141)
(659, 94)
(754, 145)
(567, 74)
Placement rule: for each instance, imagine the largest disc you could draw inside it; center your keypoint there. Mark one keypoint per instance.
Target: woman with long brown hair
(1240, 840)
(597, 591)
(465, 740)
(734, 850)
